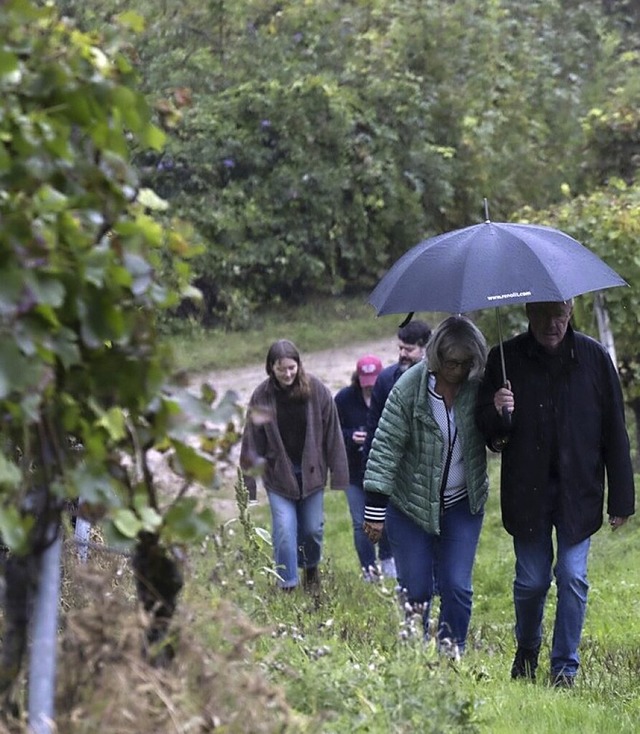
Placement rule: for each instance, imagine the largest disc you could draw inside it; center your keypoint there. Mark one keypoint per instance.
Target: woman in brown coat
(292, 437)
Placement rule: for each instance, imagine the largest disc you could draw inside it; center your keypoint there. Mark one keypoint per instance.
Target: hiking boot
(371, 575)
(525, 663)
(311, 581)
(562, 680)
(388, 568)
(449, 649)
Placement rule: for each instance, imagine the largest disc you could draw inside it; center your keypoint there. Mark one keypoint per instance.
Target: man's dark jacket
(384, 382)
(583, 405)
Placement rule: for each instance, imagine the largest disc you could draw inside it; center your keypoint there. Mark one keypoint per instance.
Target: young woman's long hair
(285, 349)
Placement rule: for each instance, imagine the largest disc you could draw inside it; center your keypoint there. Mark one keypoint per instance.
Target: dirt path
(333, 366)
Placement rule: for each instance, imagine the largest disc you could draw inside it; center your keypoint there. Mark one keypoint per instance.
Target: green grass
(315, 326)
(344, 667)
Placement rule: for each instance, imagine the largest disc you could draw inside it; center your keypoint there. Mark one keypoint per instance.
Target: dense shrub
(311, 144)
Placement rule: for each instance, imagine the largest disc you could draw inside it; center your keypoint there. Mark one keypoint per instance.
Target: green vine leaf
(10, 475)
(127, 523)
(15, 529)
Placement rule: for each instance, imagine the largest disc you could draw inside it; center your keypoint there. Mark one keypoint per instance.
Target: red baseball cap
(368, 367)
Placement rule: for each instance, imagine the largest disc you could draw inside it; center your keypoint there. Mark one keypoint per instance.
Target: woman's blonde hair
(460, 334)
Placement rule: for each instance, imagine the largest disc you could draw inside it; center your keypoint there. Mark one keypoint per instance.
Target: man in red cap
(353, 403)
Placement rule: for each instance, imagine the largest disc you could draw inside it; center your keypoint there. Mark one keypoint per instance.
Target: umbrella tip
(486, 210)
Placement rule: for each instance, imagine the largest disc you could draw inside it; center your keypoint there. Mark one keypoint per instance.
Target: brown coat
(262, 451)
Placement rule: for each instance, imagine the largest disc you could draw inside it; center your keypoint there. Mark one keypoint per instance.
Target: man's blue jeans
(296, 531)
(417, 555)
(365, 549)
(534, 561)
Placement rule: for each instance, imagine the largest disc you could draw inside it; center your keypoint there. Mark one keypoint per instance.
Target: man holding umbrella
(566, 427)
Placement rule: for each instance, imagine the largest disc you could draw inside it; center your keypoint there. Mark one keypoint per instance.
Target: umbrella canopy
(488, 265)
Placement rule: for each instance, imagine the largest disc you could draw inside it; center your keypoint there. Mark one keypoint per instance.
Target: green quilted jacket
(406, 459)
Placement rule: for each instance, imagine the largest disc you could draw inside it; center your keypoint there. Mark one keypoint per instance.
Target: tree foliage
(312, 143)
(85, 387)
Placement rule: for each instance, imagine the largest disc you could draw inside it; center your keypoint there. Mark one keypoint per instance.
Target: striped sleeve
(375, 506)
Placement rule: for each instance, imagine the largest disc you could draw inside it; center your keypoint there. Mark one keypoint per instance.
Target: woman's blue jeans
(296, 530)
(534, 561)
(365, 549)
(418, 554)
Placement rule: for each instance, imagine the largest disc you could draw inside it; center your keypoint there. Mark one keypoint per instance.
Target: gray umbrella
(488, 265)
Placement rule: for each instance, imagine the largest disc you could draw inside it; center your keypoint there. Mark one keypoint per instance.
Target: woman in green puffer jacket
(426, 477)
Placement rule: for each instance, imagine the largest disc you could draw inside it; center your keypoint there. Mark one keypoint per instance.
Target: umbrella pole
(506, 416)
(504, 369)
